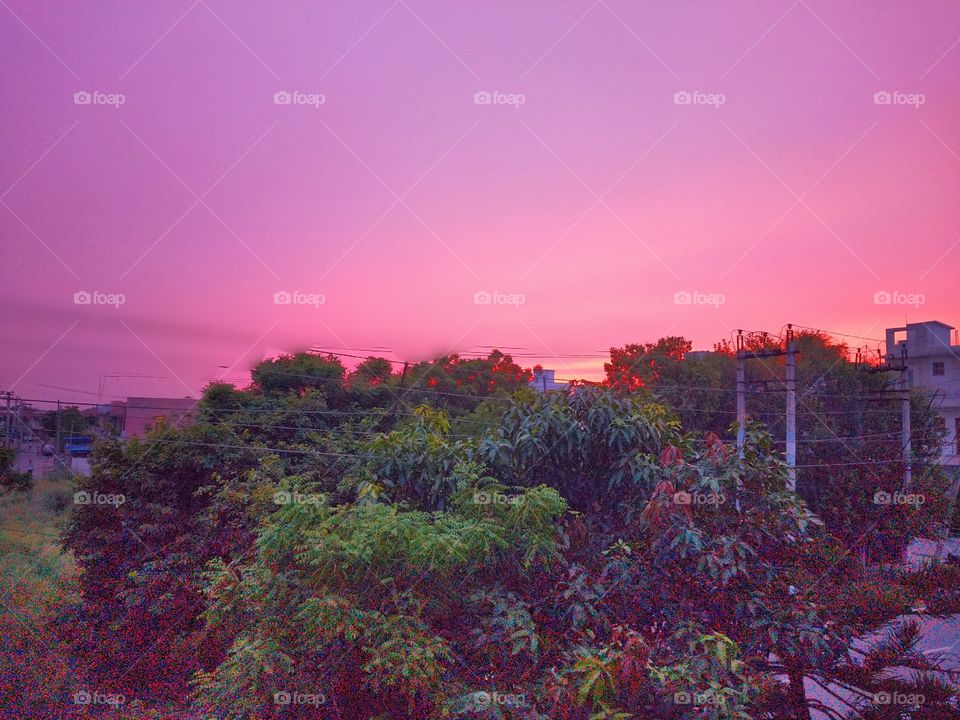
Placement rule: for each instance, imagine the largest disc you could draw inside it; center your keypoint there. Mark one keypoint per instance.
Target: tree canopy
(320, 546)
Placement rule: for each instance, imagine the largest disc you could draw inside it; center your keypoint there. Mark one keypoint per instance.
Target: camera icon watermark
(95, 97)
(894, 97)
(483, 97)
(885, 297)
(295, 97)
(484, 297)
(95, 297)
(695, 297)
(881, 497)
(695, 97)
(286, 297)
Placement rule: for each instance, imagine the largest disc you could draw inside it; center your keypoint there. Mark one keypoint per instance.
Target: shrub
(16, 481)
(54, 499)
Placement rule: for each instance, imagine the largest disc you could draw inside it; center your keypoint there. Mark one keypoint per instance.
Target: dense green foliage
(319, 546)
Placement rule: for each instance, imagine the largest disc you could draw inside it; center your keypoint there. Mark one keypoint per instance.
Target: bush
(55, 499)
(10, 478)
(16, 481)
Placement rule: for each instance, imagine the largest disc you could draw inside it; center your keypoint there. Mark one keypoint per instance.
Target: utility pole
(19, 424)
(741, 395)
(903, 387)
(905, 421)
(790, 352)
(791, 412)
(56, 448)
(859, 363)
(6, 436)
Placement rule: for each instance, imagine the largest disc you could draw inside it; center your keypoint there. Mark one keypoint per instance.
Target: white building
(933, 365)
(544, 380)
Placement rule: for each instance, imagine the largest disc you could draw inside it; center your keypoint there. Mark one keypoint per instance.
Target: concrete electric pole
(791, 384)
(6, 435)
(905, 422)
(791, 412)
(741, 395)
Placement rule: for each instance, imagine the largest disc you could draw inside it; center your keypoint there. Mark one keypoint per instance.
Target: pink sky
(398, 198)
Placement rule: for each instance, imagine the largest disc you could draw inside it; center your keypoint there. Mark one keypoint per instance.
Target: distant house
(111, 417)
(933, 364)
(139, 413)
(106, 419)
(31, 419)
(543, 380)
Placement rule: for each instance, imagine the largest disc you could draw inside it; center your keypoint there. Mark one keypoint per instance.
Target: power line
(278, 408)
(838, 334)
(382, 412)
(654, 386)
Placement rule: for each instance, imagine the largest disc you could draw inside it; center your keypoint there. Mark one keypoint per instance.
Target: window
(939, 369)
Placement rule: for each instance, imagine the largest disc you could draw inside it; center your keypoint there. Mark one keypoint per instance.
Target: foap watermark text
(898, 698)
(483, 700)
(95, 97)
(712, 499)
(705, 698)
(885, 297)
(894, 97)
(293, 697)
(695, 297)
(482, 497)
(295, 97)
(95, 297)
(881, 497)
(286, 297)
(287, 497)
(483, 97)
(484, 297)
(86, 697)
(695, 97)
(84, 497)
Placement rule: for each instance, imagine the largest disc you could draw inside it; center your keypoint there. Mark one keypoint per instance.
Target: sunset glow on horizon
(188, 187)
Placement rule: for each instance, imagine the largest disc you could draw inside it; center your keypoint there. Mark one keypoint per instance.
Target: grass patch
(37, 581)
